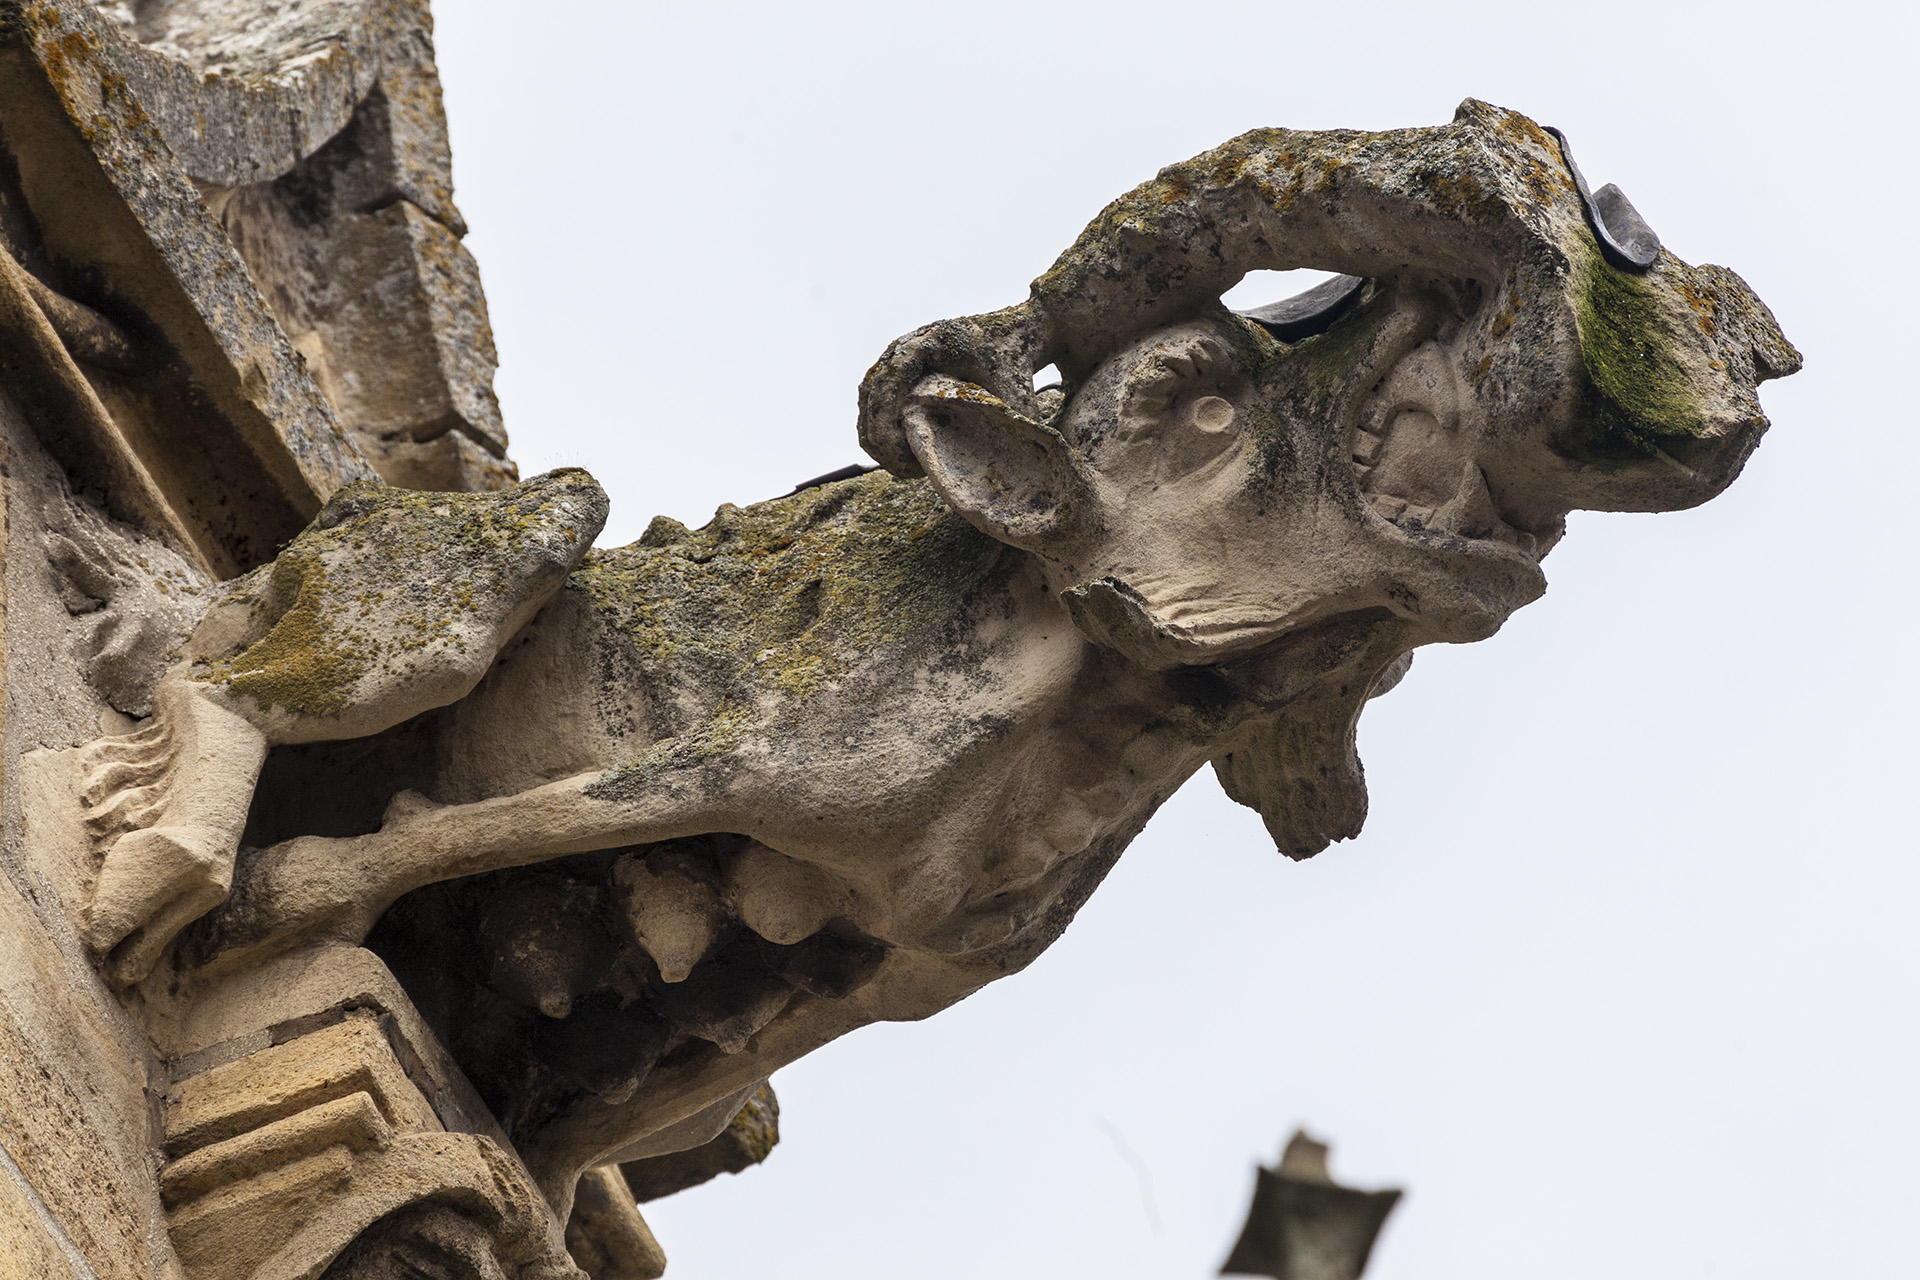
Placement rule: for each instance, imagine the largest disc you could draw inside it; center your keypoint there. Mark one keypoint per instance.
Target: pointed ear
(1011, 477)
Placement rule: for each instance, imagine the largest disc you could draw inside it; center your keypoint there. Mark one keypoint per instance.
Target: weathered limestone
(747, 1140)
(849, 754)
(394, 879)
(162, 431)
(315, 134)
(390, 604)
(606, 1234)
(272, 197)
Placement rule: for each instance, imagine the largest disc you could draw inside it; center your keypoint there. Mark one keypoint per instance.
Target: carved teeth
(541, 947)
(675, 916)
(1471, 511)
(1468, 510)
(607, 1046)
(826, 966)
(783, 899)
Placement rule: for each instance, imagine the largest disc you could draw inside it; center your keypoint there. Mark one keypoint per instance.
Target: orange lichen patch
(1503, 321)
(1458, 195)
(92, 93)
(71, 65)
(1227, 167)
(1521, 129)
(1705, 304)
(1480, 369)
(1542, 178)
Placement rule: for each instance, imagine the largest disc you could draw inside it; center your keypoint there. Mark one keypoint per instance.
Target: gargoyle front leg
(175, 795)
(339, 887)
(390, 604)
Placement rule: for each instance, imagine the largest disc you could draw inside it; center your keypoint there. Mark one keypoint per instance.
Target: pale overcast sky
(1622, 978)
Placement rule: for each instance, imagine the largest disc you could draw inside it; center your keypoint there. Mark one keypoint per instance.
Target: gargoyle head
(1398, 448)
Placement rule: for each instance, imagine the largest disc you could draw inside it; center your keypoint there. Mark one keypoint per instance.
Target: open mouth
(1422, 477)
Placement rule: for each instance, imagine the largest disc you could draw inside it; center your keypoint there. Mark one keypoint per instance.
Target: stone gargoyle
(638, 826)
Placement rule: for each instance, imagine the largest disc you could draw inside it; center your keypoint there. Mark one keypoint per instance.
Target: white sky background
(1622, 978)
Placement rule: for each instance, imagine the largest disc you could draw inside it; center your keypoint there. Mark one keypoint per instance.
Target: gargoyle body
(638, 826)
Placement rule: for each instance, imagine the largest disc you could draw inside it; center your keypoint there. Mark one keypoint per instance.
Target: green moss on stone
(769, 606)
(1633, 396)
(308, 662)
(1332, 357)
(379, 582)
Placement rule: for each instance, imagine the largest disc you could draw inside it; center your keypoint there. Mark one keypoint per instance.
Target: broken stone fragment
(381, 300)
(748, 1139)
(675, 911)
(106, 201)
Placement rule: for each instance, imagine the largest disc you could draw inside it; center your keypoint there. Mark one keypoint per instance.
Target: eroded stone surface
(160, 431)
(390, 604)
(436, 862)
(748, 1139)
(851, 753)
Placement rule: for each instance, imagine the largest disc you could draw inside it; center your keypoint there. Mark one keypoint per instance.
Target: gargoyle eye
(1624, 236)
(1305, 314)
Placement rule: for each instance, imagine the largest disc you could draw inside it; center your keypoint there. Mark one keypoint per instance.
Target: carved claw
(154, 884)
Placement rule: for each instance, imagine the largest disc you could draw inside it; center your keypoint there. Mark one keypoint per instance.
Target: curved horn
(996, 351)
(1466, 198)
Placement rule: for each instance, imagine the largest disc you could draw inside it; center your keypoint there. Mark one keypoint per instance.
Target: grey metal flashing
(1624, 236)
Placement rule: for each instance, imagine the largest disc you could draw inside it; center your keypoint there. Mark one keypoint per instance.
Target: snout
(1661, 409)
